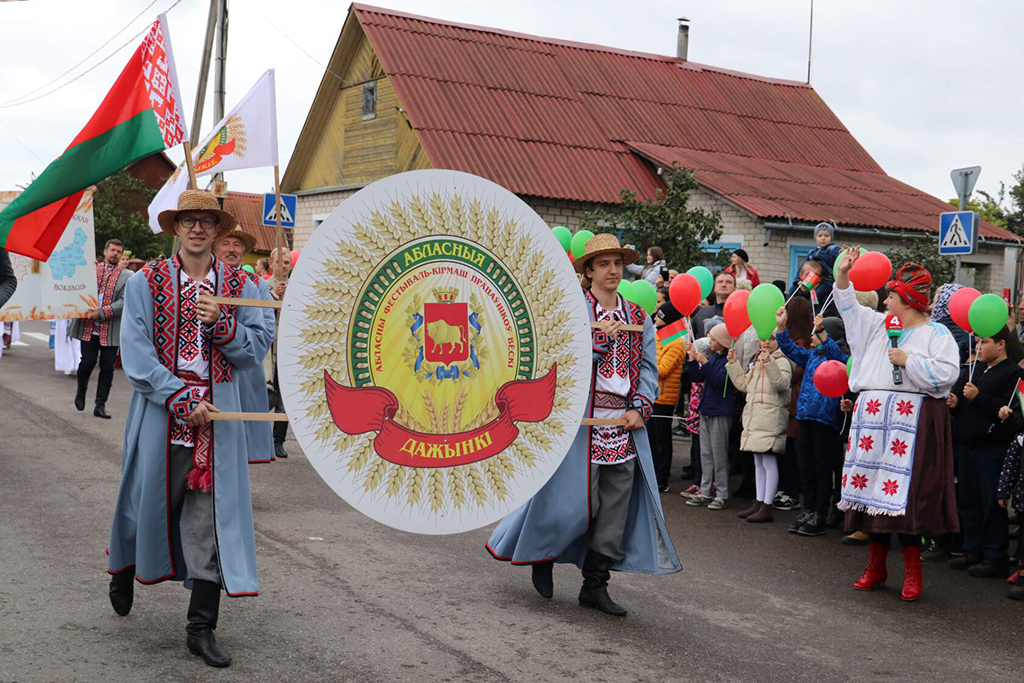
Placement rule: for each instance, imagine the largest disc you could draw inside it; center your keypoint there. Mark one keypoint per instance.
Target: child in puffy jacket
(765, 420)
(818, 424)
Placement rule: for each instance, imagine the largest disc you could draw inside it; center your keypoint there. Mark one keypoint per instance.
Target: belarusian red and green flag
(672, 331)
(141, 115)
(1020, 394)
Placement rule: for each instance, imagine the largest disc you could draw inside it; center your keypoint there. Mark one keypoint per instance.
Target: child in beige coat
(766, 382)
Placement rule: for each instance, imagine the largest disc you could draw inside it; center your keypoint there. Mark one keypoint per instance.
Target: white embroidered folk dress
(193, 349)
(612, 445)
(883, 436)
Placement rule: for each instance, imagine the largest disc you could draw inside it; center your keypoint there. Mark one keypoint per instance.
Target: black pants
(906, 540)
(816, 448)
(985, 527)
(659, 431)
(789, 471)
(277, 405)
(107, 356)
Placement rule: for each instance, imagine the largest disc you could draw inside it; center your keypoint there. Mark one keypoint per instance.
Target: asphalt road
(346, 599)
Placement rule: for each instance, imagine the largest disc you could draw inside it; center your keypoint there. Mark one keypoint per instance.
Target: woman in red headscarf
(898, 473)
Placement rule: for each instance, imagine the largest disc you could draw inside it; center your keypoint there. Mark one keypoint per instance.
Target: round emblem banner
(434, 351)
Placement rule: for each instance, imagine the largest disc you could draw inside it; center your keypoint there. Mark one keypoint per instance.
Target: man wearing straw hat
(230, 248)
(611, 517)
(183, 510)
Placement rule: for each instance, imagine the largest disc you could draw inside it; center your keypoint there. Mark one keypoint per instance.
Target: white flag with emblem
(245, 138)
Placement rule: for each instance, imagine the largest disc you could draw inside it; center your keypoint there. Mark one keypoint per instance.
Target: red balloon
(872, 271)
(295, 257)
(735, 312)
(830, 379)
(960, 303)
(684, 293)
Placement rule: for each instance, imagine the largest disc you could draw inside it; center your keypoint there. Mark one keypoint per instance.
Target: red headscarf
(913, 283)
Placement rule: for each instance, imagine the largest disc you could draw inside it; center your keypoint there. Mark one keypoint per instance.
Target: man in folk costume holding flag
(898, 473)
(184, 510)
(141, 115)
(601, 509)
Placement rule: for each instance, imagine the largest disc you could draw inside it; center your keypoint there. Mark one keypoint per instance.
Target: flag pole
(277, 212)
(191, 169)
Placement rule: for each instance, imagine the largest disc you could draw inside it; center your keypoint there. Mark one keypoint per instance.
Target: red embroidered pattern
(106, 279)
(191, 342)
(890, 486)
(162, 96)
(867, 442)
(899, 447)
(873, 406)
(905, 408)
(859, 481)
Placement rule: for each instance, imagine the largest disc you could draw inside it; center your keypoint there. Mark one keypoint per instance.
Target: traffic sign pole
(964, 180)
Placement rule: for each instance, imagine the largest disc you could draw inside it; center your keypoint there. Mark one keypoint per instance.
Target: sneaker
(717, 504)
(785, 502)
(804, 516)
(663, 488)
(964, 562)
(937, 553)
(699, 500)
(691, 492)
(984, 570)
(814, 526)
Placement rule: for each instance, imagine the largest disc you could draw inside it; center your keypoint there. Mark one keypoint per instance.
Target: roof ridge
(693, 66)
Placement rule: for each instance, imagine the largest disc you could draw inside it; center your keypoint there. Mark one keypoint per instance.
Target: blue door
(797, 255)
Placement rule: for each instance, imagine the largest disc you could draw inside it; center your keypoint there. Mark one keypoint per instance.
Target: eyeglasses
(206, 222)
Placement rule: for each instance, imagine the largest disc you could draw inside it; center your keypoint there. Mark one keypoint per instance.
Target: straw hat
(196, 200)
(604, 244)
(250, 240)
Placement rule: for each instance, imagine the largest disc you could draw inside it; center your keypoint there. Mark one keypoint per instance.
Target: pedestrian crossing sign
(958, 232)
(289, 202)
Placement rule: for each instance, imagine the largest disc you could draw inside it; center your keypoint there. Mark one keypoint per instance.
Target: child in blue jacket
(818, 422)
(717, 408)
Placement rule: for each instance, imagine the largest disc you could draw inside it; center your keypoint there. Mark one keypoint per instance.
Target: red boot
(911, 573)
(875, 574)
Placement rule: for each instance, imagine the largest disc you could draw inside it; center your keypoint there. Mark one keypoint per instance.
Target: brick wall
(311, 206)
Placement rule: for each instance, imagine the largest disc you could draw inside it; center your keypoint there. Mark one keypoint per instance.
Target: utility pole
(204, 73)
(810, 43)
(219, 88)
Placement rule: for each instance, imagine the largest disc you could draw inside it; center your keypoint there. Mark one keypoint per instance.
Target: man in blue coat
(610, 518)
(184, 510)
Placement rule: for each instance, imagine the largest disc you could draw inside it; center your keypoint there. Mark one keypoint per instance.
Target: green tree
(667, 221)
(119, 210)
(989, 207)
(926, 253)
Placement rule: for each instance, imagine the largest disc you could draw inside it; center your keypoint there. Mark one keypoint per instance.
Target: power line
(85, 59)
(27, 148)
(16, 103)
(316, 61)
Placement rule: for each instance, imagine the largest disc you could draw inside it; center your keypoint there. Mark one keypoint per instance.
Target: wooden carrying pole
(282, 417)
(279, 233)
(191, 169)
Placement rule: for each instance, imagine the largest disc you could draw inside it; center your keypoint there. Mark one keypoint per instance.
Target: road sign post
(964, 180)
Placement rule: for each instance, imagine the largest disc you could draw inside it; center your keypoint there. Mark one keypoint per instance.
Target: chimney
(683, 41)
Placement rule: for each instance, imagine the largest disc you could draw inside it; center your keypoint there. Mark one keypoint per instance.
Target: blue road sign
(958, 232)
(289, 202)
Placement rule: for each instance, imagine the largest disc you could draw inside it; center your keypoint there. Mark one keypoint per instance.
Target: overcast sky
(925, 86)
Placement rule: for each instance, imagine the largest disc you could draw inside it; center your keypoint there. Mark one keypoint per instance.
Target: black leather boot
(543, 580)
(203, 609)
(122, 591)
(80, 393)
(595, 585)
(102, 392)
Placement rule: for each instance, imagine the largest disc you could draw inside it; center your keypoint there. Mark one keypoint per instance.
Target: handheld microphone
(894, 328)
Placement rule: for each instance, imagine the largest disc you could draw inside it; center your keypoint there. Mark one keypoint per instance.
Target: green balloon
(761, 307)
(987, 315)
(835, 267)
(579, 242)
(247, 268)
(705, 278)
(563, 236)
(646, 295)
(627, 291)
(849, 366)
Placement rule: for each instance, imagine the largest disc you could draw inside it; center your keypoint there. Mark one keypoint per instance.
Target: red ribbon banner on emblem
(360, 410)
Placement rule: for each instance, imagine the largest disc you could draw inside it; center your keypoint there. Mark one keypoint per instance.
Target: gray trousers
(714, 454)
(610, 489)
(193, 512)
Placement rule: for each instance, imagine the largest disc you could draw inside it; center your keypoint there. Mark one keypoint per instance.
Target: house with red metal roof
(566, 126)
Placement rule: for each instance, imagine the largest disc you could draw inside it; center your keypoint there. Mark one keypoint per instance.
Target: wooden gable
(339, 146)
